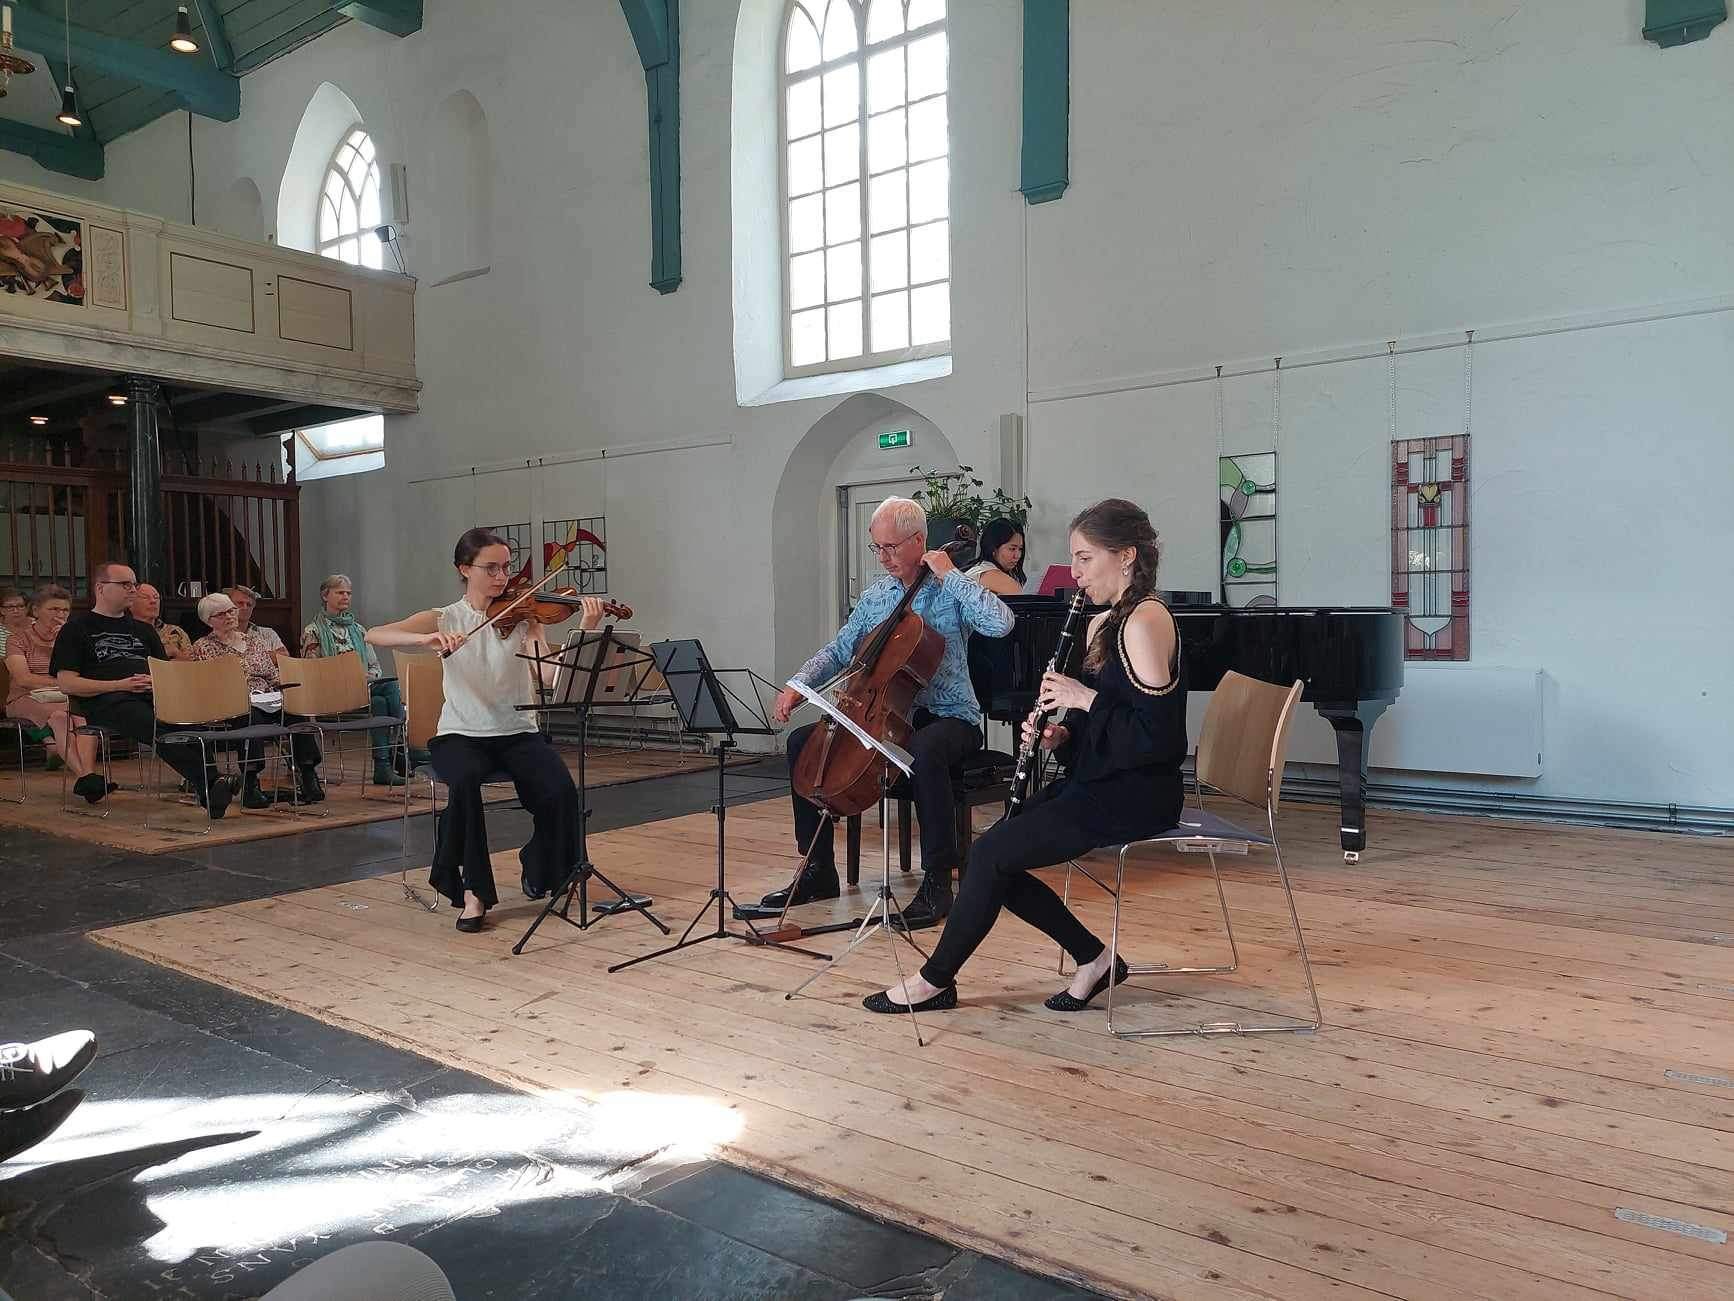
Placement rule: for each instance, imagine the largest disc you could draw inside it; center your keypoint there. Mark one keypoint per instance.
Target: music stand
(886, 915)
(709, 707)
(579, 675)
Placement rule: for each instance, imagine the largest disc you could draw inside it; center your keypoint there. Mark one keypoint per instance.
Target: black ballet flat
(943, 1001)
(1064, 1002)
(471, 925)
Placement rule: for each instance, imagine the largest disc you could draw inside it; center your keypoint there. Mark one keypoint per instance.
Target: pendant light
(182, 41)
(68, 115)
(12, 63)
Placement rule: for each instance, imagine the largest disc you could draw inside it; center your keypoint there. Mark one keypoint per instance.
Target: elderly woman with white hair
(335, 631)
(258, 656)
(947, 718)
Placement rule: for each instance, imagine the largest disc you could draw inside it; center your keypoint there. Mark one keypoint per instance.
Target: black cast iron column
(146, 542)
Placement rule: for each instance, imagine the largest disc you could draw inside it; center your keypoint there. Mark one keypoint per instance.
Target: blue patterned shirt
(955, 606)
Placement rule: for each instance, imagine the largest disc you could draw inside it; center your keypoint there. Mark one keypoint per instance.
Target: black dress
(1123, 783)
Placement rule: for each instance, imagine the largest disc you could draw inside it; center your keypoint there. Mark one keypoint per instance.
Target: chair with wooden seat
(422, 678)
(1241, 751)
(18, 731)
(332, 693)
(205, 703)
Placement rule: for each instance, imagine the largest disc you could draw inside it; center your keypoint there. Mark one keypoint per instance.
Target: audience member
(36, 698)
(147, 607)
(101, 659)
(265, 687)
(335, 631)
(14, 615)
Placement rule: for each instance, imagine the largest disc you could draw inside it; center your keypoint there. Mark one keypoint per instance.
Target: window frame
(864, 360)
(328, 248)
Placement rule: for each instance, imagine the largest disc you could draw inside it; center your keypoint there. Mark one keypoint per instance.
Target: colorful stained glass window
(517, 537)
(1430, 545)
(1248, 486)
(581, 545)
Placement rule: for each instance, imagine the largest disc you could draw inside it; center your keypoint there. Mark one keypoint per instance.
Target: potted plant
(1001, 505)
(952, 504)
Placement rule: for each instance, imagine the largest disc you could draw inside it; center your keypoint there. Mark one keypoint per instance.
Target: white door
(858, 568)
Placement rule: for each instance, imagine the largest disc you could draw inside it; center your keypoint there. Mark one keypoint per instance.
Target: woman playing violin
(482, 730)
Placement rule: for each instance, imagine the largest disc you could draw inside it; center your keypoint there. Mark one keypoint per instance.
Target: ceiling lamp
(68, 115)
(182, 41)
(39, 420)
(10, 60)
(117, 399)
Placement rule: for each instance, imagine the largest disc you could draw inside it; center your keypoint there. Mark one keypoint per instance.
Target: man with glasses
(100, 659)
(947, 717)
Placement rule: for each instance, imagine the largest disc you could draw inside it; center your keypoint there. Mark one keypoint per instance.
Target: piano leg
(1353, 725)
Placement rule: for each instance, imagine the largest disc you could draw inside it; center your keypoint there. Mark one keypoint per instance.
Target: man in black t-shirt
(100, 661)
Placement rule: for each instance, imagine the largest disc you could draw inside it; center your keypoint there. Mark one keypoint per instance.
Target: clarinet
(1027, 753)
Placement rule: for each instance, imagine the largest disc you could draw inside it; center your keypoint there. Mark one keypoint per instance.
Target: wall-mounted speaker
(394, 206)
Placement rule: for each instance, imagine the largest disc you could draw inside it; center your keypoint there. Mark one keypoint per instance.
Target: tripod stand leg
(903, 981)
(863, 933)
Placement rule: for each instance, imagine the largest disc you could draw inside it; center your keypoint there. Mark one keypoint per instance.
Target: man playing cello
(947, 719)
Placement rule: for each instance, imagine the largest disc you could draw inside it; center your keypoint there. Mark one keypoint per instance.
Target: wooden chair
(17, 727)
(1241, 751)
(332, 693)
(199, 701)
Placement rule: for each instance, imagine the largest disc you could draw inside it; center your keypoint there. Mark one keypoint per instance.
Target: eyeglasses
(879, 551)
(493, 571)
(109, 582)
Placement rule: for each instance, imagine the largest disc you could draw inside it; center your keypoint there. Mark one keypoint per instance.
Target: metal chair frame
(315, 680)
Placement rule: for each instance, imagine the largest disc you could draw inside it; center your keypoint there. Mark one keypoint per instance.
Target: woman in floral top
(258, 656)
(334, 631)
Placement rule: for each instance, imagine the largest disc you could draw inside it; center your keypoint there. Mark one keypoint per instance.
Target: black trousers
(546, 790)
(1048, 831)
(939, 744)
(304, 746)
(130, 714)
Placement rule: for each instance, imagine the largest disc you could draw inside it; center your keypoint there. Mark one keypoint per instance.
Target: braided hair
(1114, 525)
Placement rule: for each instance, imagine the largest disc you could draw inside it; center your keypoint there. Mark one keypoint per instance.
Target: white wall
(1248, 181)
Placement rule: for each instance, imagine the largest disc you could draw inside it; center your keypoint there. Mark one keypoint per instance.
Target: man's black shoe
(216, 801)
(307, 786)
(22, 1130)
(31, 1073)
(931, 905)
(812, 887)
(252, 796)
(91, 788)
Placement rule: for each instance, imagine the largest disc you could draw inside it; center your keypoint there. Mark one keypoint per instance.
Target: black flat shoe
(471, 925)
(530, 891)
(811, 889)
(1064, 1002)
(34, 1072)
(91, 788)
(943, 1001)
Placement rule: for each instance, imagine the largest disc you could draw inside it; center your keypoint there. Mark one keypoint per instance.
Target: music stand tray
(579, 680)
(886, 915)
(720, 705)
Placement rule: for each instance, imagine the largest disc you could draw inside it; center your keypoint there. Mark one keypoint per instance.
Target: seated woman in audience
(28, 653)
(147, 607)
(263, 682)
(334, 631)
(1001, 567)
(1123, 734)
(14, 615)
(482, 730)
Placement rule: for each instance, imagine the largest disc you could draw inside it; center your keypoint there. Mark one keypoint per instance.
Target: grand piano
(1350, 658)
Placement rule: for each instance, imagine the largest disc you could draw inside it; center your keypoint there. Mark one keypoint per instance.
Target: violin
(545, 607)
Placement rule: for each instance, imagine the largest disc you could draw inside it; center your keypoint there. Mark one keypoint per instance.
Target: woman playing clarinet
(1123, 737)
(482, 729)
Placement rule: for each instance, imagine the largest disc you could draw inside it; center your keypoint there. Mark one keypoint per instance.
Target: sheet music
(896, 753)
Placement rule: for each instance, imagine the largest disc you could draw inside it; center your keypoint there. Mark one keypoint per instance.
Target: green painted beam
(655, 28)
(210, 13)
(55, 150)
(199, 87)
(1046, 169)
(1680, 22)
(399, 17)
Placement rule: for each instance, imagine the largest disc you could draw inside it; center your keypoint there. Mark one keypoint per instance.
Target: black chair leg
(852, 832)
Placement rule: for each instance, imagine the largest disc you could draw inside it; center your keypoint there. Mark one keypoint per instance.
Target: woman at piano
(484, 730)
(1001, 567)
(1122, 737)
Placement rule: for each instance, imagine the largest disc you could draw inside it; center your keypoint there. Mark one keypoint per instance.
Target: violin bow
(515, 603)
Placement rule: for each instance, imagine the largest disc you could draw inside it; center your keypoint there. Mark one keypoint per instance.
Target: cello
(878, 689)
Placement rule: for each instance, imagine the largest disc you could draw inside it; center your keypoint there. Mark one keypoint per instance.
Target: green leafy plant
(1001, 505)
(950, 494)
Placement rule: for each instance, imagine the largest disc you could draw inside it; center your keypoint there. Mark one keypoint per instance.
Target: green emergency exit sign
(893, 438)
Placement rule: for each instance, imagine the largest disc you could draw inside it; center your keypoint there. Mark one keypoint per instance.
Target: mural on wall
(582, 545)
(1248, 490)
(517, 537)
(1430, 545)
(41, 257)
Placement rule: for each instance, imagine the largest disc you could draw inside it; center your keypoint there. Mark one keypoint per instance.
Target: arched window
(349, 203)
(866, 183)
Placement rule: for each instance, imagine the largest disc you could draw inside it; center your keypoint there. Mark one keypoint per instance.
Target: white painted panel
(205, 291)
(308, 312)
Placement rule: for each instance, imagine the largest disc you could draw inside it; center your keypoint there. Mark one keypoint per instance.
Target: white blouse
(485, 680)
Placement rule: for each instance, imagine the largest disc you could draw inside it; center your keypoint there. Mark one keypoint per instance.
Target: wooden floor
(180, 824)
(1530, 1034)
